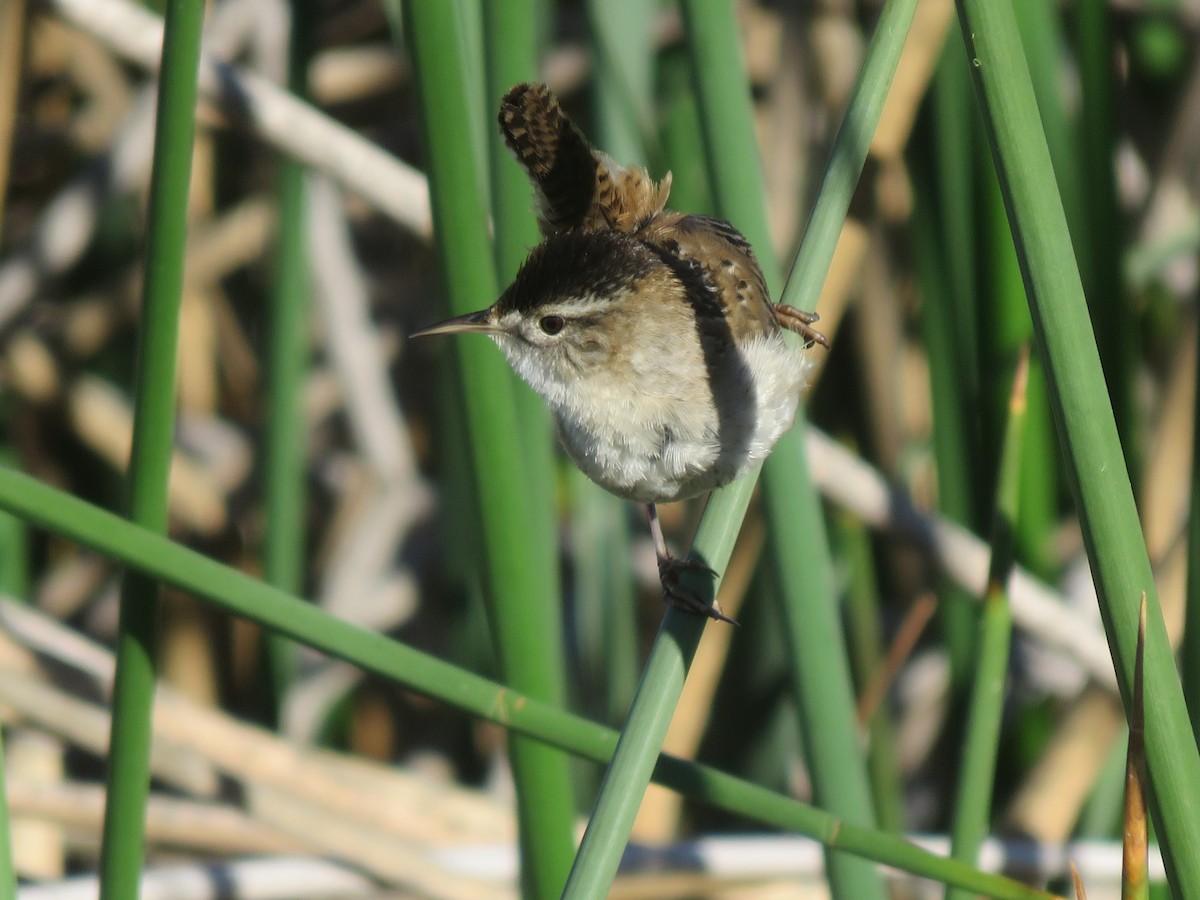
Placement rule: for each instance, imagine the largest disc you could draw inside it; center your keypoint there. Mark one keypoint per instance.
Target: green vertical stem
(287, 354)
(469, 16)
(14, 547)
(954, 412)
(865, 637)
(153, 425)
(511, 55)
(520, 573)
(14, 581)
(956, 150)
(1189, 650)
(1086, 427)
(510, 30)
(623, 34)
(977, 774)
(1004, 328)
(1102, 221)
(1042, 38)
(946, 268)
(681, 140)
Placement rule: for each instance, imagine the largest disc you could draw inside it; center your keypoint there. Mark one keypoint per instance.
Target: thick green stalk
(287, 354)
(1040, 25)
(240, 595)
(1006, 328)
(955, 156)
(153, 425)
(14, 581)
(511, 58)
(14, 547)
(681, 137)
(1102, 221)
(977, 774)
(1086, 427)
(944, 242)
(510, 29)
(1189, 650)
(520, 575)
(468, 15)
(623, 34)
(955, 426)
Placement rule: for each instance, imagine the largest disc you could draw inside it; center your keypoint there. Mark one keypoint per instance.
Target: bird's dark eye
(552, 324)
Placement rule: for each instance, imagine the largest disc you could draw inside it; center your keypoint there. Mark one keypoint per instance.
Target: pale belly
(658, 453)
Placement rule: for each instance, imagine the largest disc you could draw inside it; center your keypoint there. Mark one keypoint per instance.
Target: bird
(650, 333)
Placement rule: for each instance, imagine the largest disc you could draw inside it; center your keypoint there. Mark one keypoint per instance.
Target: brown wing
(718, 268)
(576, 186)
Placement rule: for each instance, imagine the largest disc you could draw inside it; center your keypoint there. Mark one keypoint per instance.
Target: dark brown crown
(581, 264)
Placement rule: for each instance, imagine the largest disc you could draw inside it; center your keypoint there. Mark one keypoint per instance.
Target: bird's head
(572, 310)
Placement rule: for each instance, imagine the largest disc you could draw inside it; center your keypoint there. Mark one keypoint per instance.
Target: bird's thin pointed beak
(479, 322)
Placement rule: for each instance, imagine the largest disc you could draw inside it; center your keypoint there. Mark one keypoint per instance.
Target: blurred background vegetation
(317, 448)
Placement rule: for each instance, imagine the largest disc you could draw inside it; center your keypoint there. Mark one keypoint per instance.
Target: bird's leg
(669, 570)
(801, 322)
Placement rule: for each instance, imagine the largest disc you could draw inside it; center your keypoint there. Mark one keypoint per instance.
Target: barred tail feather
(553, 152)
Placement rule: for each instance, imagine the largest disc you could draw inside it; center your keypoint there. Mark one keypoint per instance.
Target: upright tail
(554, 153)
(576, 186)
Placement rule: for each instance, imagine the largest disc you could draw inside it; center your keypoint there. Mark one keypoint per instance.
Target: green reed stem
(1005, 328)
(955, 426)
(14, 580)
(519, 563)
(284, 475)
(153, 423)
(510, 30)
(1189, 650)
(1102, 220)
(864, 629)
(977, 774)
(623, 35)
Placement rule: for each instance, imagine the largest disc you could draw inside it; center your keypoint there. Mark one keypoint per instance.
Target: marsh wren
(649, 332)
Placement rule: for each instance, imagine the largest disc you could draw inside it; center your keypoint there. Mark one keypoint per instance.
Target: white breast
(640, 443)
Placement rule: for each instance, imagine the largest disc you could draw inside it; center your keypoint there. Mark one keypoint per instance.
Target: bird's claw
(801, 322)
(669, 571)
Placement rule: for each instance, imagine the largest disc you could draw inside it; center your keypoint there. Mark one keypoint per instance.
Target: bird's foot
(801, 322)
(669, 571)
